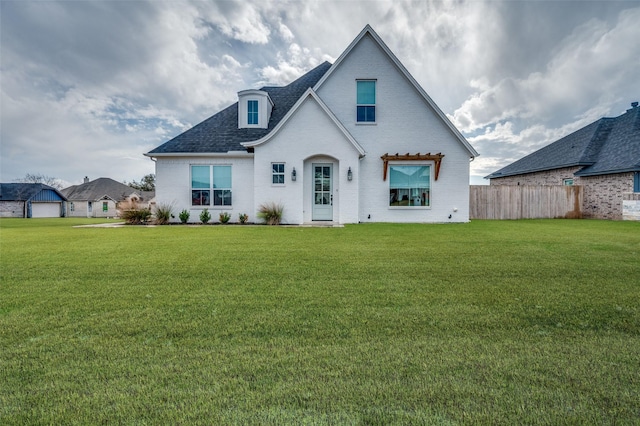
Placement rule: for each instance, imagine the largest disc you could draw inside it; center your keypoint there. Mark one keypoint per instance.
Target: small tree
(147, 183)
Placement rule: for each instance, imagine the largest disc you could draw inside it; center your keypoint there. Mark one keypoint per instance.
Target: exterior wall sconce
(293, 174)
(349, 174)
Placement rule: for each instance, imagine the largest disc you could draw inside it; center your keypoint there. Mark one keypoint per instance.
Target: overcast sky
(89, 86)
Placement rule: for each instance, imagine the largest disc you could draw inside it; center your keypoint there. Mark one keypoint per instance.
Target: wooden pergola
(436, 158)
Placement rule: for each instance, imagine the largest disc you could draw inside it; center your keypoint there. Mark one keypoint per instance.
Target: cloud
(89, 86)
(594, 53)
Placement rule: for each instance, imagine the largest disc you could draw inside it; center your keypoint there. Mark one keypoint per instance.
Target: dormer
(254, 109)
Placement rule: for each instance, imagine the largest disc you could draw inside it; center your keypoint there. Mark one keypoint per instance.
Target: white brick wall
(310, 136)
(173, 186)
(405, 123)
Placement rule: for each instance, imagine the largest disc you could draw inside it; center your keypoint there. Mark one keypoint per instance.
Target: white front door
(322, 192)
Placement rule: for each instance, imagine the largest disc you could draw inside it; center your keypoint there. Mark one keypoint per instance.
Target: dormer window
(252, 112)
(366, 101)
(254, 109)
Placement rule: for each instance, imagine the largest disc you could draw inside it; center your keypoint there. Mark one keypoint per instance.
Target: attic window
(366, 101)
(252, 112)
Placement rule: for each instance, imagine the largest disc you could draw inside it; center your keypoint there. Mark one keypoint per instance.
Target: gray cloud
(87, 87)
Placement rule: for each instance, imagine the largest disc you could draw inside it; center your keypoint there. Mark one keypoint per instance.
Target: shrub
(205, 216)
(184, 216)
(224, 217)
(163, 214)
(271, 213)
(243, 218)
(133, 213)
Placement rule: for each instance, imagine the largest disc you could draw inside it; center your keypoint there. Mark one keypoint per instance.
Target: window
(105, 206)
(636, 182)
(277, 173)
(210, 183)
(89, 206)
(366, 101)
(72, 207)
(252, 112)
(567, 182)
(409, 186)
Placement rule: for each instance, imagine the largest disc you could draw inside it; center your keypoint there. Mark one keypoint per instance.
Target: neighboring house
(356, 141)
(603, 157)
(100, 198)
(30, 200)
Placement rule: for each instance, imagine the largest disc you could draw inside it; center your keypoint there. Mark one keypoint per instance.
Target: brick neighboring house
(603, 157)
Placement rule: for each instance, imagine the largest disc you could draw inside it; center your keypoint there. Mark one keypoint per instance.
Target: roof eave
(308, 93)
(608, 172)
(496, 175)
(228, 154)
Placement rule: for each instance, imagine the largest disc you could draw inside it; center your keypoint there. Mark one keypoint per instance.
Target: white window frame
(211, 189)
(374, 104)
(275, 173)
(251, 113)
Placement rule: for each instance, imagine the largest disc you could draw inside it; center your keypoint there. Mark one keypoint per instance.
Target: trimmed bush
(205, 216)
(224, 217)
(184, 216)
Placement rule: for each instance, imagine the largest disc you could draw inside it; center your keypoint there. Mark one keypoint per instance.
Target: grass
(501, 322)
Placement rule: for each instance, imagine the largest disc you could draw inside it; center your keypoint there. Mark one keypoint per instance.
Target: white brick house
(356, 141)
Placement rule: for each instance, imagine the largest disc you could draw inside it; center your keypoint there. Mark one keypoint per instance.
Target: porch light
(293, 174)
(349, 174)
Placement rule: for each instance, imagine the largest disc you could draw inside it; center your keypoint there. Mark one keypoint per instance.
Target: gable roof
(609, 145)
(101, 188)
(29, 192)
(309, 93)
(220, 133)
(368, 30)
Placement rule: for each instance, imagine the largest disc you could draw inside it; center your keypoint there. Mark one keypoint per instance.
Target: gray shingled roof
(220, 133)
(609, 145)
(98, 189)
(25, 191)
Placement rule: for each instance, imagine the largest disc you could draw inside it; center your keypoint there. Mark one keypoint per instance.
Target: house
(100, 198)
(603, 157)
(31, 200)
(354, 141)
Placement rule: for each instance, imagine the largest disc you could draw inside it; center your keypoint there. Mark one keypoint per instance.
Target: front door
(322, 192)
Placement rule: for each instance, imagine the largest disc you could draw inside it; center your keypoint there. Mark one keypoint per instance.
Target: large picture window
(366, 100)
(211, 185)
(409, 185)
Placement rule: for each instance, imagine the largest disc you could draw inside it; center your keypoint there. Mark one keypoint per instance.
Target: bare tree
(40, 178)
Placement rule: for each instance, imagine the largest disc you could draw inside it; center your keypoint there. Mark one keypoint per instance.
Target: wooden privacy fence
(524, 202)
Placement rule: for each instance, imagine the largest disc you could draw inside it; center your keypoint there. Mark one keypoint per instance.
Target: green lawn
(500, 322)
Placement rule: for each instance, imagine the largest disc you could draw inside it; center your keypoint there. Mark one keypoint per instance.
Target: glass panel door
(322, 192)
